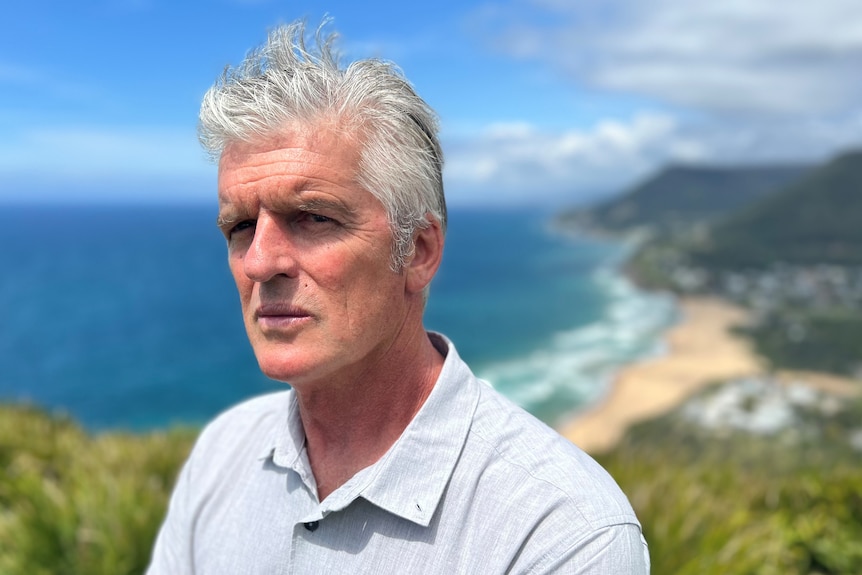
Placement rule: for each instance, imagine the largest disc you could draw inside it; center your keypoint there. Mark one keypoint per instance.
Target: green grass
(740, 504)
(74, 503)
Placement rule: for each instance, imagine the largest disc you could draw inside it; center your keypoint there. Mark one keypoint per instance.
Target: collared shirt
(473, 485)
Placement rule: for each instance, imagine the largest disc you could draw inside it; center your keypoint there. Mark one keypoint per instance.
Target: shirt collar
(409, 480)
(287, 446)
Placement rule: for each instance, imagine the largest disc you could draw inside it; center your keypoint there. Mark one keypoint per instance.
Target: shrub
(735, 503)
(75, 503)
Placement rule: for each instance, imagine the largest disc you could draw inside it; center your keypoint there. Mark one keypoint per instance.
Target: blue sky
(540, 100)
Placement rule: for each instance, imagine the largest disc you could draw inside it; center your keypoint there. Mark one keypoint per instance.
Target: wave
(575, 367)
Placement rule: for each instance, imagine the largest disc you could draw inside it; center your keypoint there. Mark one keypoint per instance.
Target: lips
(279, 316)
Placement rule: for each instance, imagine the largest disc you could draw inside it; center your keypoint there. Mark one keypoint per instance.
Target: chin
(281, 361)
(285, 369)
(279, 372)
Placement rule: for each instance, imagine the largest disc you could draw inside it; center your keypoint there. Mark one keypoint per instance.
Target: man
(387, 455)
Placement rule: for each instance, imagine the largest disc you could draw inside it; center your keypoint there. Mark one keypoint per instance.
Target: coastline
(701, 350)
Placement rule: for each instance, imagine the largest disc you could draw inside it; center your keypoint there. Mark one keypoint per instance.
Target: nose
(271, 252)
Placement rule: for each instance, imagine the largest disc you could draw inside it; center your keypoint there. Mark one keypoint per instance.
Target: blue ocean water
(126, 316)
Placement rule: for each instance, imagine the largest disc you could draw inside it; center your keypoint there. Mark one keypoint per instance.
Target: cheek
(243, 284)
(352, 285)
(330, 270)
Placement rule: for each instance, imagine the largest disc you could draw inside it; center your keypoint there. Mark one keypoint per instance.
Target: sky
(551, 102)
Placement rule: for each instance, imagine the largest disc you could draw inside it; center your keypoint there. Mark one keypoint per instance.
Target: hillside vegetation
(737, 503)
(682, 195)
(815, 220)
(72, 503)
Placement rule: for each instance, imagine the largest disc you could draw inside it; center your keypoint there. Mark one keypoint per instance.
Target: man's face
(310, 253)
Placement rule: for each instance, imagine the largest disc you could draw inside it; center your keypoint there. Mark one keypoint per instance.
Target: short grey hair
(283, 81)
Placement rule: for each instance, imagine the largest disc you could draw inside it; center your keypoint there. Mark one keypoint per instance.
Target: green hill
(685, 195)
(814, 220)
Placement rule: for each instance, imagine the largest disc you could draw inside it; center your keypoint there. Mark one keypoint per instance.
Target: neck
(349, 425)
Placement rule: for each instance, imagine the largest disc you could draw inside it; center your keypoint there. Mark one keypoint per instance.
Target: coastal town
(778, 286)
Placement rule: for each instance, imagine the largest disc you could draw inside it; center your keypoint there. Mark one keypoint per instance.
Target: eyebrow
(225, 218)
(223, 221)
(313, 204)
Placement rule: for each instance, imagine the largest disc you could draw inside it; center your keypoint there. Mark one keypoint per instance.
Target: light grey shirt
(473, 485)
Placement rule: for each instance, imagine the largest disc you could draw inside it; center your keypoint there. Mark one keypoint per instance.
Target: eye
(242, 226)
(313, 218)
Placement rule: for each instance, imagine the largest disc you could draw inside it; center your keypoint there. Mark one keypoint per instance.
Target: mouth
(277, 317)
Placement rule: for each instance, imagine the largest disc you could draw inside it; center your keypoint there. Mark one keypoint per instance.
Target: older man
(387, 455)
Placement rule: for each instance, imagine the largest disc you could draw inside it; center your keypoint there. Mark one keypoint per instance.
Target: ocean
(125, 317)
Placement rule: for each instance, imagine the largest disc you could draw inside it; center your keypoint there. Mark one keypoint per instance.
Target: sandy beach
(700, 350)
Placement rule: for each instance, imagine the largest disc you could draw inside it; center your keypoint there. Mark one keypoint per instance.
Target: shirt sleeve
(172, 552)
(613, 550)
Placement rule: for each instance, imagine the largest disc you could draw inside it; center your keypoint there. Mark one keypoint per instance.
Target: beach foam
(574, 368)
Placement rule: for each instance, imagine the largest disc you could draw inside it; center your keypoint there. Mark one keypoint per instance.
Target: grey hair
(283, 82)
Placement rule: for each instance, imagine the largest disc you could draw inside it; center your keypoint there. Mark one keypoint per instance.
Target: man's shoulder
(252, 411)
(249, 425)
(540, 462)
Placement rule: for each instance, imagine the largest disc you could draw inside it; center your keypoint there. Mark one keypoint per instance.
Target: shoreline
(701, 350)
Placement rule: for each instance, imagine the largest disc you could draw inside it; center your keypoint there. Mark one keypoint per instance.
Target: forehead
(302, 158)
(298, 149)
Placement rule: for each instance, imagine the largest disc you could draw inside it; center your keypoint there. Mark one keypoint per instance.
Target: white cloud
(752, 56)
(513, 162)
(737, 81)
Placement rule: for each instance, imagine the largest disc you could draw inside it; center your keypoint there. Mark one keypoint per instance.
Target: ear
(427, 254)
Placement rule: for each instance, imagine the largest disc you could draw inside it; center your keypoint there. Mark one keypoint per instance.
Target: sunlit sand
(701, 350)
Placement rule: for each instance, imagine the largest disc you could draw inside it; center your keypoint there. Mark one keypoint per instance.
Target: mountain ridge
(682, 194)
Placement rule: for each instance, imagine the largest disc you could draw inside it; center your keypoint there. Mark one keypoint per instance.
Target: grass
(734, 503)
(74, 503)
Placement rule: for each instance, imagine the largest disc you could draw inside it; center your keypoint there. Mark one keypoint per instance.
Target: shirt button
(312, 525)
